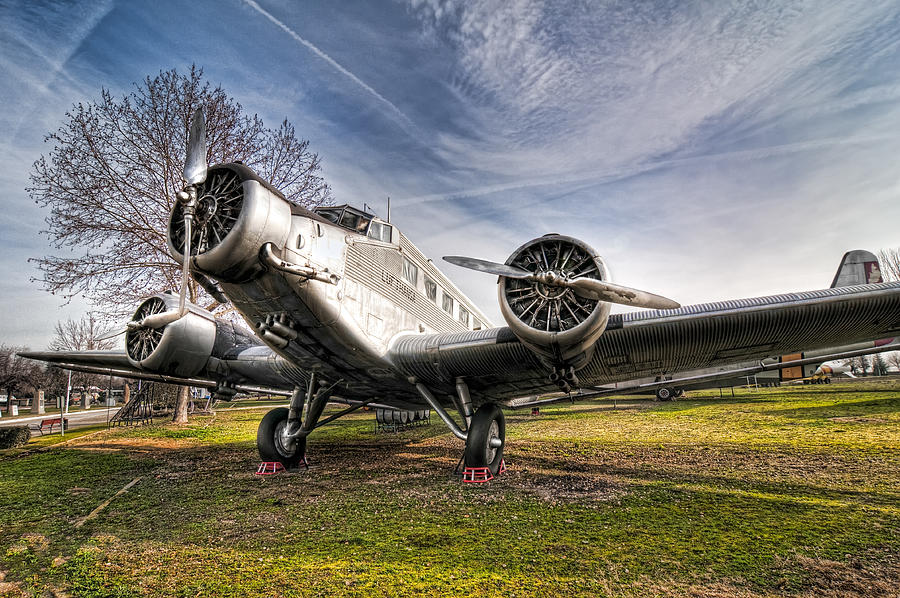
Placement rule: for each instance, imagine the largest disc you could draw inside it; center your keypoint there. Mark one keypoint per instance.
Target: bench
(50, 422)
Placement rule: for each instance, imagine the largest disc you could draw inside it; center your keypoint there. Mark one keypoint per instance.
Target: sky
(708, 150)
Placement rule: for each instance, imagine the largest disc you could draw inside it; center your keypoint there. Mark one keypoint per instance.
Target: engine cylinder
(236, 214)
(552, 320)
(180, 348)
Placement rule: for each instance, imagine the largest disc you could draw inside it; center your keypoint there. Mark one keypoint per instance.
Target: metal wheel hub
(490, 450)
(285, 444)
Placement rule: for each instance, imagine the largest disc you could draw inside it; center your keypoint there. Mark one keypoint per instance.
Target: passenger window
(476, 325)
(380, 231)
(464, 316)
(448, 304)
(430, 289)
(410, 272)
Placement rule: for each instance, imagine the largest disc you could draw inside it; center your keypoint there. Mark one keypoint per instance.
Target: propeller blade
(156, 320)
(186, 264)
(485, 266)
(613, 293)
(586, 287)
(195, 162)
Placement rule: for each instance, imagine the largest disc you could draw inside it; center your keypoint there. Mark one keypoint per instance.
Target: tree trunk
(181, 405)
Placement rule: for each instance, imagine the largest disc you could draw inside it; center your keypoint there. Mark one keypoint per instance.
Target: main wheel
(270, 444)
(488, 424)
(664, 393)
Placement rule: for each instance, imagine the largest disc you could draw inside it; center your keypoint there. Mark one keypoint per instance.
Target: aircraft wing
(689, 381)
(116, 363)
(497, 366)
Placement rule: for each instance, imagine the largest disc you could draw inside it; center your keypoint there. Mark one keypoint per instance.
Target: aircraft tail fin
(857, 267)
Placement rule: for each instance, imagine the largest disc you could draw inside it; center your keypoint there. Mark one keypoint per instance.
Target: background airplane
(344, 307)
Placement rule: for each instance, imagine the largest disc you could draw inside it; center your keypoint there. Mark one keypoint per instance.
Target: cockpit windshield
(346, 216)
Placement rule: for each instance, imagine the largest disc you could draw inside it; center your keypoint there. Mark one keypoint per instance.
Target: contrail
(329, 60)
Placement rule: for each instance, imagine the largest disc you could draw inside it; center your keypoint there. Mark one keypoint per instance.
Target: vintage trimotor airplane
(344, 308)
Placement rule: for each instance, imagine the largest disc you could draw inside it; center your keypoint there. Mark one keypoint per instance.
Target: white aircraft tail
(857, 267)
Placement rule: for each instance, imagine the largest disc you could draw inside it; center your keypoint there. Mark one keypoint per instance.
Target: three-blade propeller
(584, 287)
(195, 169)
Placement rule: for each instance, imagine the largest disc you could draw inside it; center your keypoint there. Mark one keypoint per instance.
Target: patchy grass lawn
(790, 491)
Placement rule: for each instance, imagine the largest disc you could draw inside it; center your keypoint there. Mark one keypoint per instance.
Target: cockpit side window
(355, 222)
(380, 231)
(330, 214)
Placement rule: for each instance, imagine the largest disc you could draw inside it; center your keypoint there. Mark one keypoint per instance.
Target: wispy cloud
(405, 120)
(566, 87)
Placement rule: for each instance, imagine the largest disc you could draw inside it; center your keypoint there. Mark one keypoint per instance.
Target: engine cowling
(553, 321)
(236, 214)
(180, 348)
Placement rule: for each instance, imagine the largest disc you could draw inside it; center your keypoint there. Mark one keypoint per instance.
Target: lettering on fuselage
(404, 289)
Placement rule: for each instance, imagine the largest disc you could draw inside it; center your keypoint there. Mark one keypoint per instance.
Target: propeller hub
(549, 285)
(206, 207)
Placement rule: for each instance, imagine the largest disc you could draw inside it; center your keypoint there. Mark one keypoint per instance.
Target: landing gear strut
(281, 436)
(485, 431)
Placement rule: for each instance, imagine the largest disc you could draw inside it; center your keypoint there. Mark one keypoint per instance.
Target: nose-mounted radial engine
(555, 295)
(235, 213)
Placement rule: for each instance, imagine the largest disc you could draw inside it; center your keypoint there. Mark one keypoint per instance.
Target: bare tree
(111, 177)
(893, 358)
(879, 367)
(890, 263)
(16, 372)
(85, 334)
(860, 365)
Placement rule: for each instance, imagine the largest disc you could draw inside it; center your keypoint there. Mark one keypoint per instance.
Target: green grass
(790, 491)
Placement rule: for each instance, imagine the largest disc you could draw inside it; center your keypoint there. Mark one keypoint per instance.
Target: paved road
(77, 419)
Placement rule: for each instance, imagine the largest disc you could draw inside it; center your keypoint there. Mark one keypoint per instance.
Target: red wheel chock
(480, 475)
(270, 468)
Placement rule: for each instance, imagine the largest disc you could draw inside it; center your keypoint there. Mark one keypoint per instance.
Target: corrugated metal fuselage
(345, 330)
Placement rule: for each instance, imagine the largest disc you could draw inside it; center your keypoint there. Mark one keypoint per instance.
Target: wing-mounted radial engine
(553, 320)
(555, 295)
(179, 348)
(236, 213)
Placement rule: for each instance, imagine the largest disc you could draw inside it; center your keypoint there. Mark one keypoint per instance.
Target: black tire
(679, 392)
(664, 393)
(270, 448)
(488, 422)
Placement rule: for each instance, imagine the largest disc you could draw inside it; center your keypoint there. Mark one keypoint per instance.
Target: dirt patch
(874, 575)
(567, 487)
